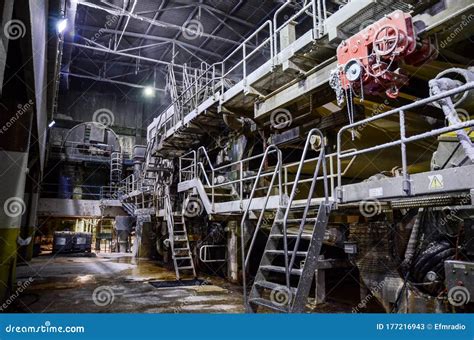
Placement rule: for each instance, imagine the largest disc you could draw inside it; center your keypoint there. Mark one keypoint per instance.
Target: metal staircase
(292, 252)
(178, 241)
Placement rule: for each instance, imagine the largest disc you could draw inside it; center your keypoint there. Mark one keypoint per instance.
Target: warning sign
(436, 182)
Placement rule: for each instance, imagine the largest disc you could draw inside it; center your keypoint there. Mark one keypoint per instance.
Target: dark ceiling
(123, 41)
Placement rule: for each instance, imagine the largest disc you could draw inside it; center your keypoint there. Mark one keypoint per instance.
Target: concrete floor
(119, 283)
(116, 283)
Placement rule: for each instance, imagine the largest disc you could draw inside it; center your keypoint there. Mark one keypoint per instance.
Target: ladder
(292, 253)
(178, 241)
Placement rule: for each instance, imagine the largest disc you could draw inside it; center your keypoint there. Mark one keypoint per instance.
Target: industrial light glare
(61, 25)
(50, 125)
(149, 91)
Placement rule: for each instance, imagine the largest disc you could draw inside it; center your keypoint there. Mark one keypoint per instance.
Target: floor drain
(179, 283)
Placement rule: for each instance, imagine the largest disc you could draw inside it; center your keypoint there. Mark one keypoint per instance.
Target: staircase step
(182, 258)
(181, 249)
(296, 220)
(292, 236)
(278, 269)
(282, 252)
(180, 239)
(268, 304)
(274, 286)
(185, 267)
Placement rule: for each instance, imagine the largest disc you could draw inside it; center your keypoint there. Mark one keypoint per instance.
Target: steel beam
(157, 23)
(111, 81)
(106, 50)
(149, 37)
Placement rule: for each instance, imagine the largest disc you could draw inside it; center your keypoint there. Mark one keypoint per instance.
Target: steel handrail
(277, 171)
(321, 160)
(403, 139)
(319, 16)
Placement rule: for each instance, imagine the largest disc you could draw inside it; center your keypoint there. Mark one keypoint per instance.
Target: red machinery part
(377, 50)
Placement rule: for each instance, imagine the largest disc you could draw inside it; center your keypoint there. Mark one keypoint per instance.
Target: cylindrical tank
(65, 187)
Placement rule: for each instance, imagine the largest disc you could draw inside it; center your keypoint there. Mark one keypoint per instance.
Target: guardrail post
(403, 147)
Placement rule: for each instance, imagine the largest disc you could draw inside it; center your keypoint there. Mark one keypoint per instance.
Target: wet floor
(115, 283)
(119, 283)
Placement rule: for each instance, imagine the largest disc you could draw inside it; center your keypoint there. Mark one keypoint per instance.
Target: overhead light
(149, 91)
(61, 25)
(50, 125)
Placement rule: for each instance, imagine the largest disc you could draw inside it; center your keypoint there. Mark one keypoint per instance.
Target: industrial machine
(346, 147)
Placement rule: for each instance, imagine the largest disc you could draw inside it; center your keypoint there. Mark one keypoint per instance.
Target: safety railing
(93, 152)
(240, 169)
(196, 164)
(275, 173)
(169, 219)
(211, 81)
(403, 138)
(71, 191)
(321, 164)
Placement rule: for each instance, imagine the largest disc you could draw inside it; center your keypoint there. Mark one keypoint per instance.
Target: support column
(233, 252)
(142, 245)
(12, 175)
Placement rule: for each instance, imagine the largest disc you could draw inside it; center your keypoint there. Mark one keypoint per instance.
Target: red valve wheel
(386, 40)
